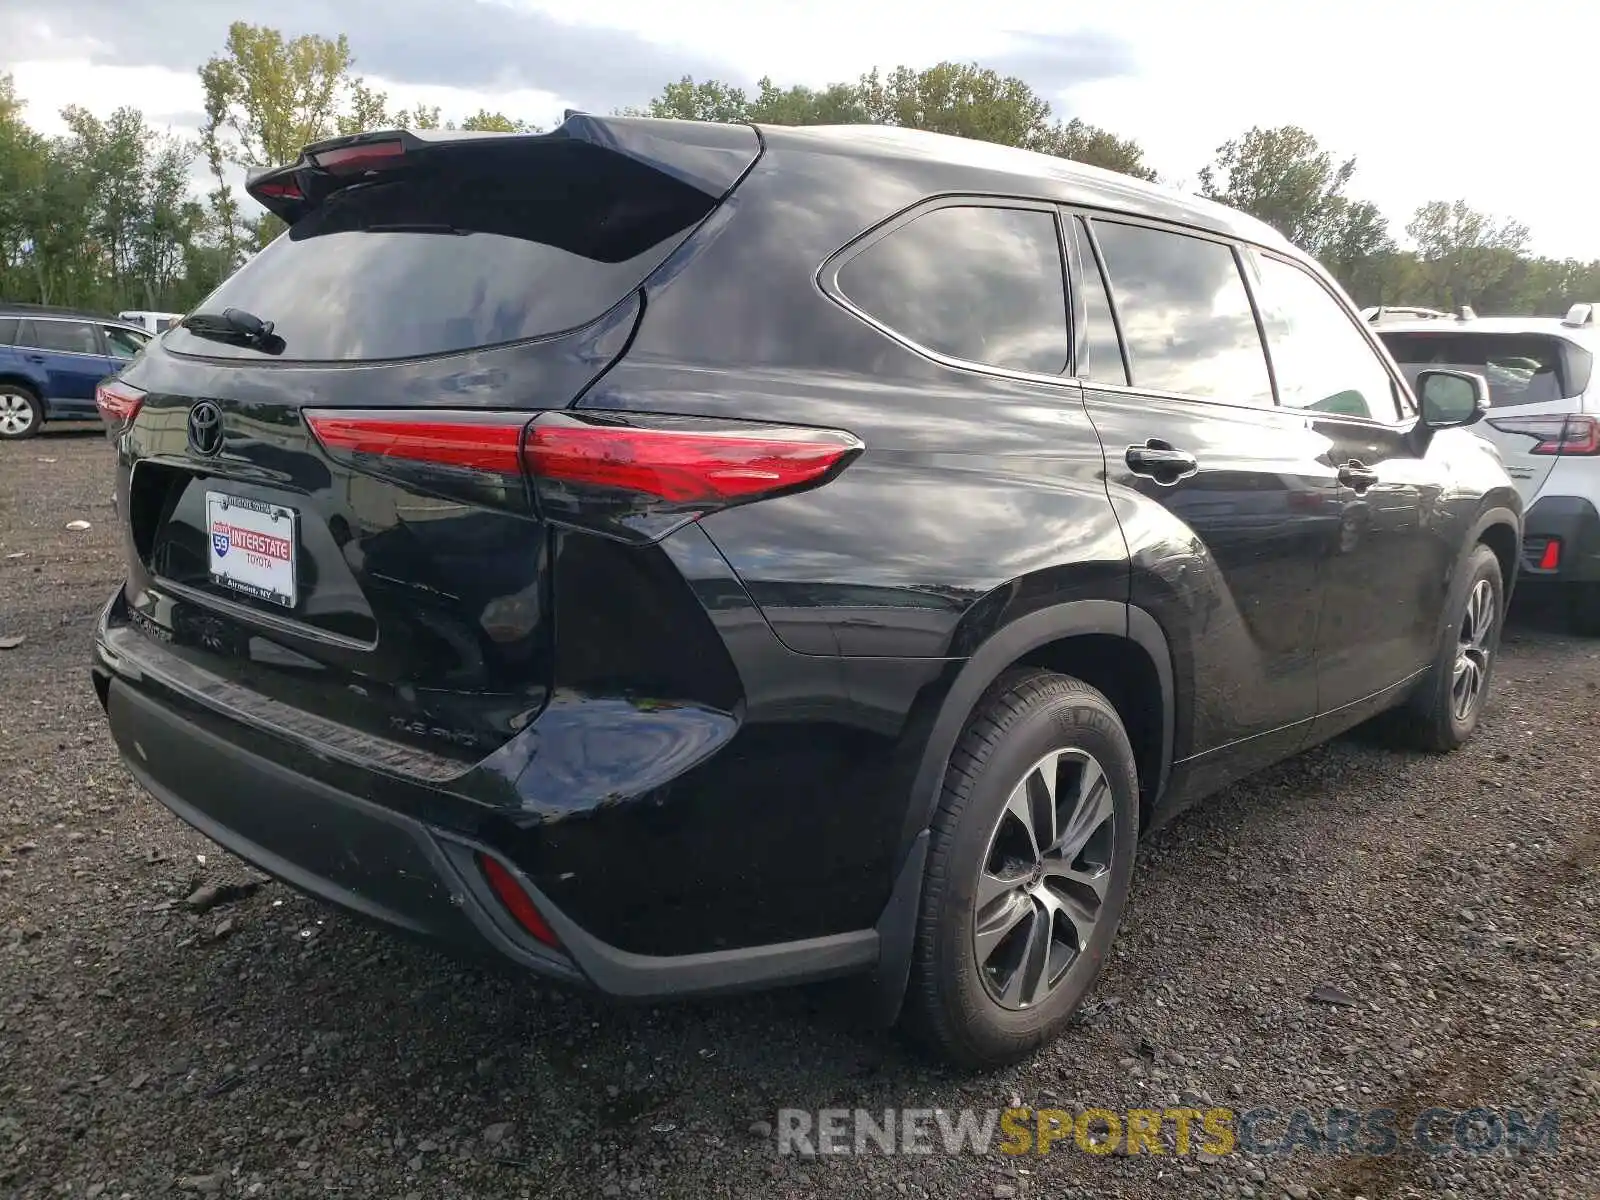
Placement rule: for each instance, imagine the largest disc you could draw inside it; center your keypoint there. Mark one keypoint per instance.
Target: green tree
(955, 98)
(836, 104)
(111, 162)
(965, 100)
(367, 109)
(1285, 178)
(1467, 257)
(24, 164)
(1358, 250)
(709, 100)
(485, 121)
(1548, 286)
(1085, 143)
(267, 97)
(100, 217)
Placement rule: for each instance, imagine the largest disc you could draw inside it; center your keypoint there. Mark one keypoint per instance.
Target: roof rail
(1579, 315)
(1377, 314)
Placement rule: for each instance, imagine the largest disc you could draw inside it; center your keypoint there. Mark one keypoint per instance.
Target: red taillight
(118, 403)
(518, 903)
(1551, 558)
(633, 476)
(359, 158)
(472, 441)
(688, 467)
(639, 476)
(1555, 434)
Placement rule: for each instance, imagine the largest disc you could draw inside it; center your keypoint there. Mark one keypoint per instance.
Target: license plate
(252, 547)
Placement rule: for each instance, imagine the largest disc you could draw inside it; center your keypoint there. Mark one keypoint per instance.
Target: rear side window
(980, 284)
(1185, 315)
(1321, 359)
(72, 337)
(462, 250)
(8, 330)
(1520, 368)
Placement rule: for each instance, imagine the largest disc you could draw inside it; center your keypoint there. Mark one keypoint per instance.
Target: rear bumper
(394, 866)
(328, 844)
(1574, 524)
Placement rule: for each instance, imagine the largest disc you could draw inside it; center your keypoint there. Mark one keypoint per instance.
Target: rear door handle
(1357, 475)
(35, 357)
(1161, 461)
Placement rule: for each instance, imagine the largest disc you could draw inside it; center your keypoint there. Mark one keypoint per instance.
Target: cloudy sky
(1437, 101)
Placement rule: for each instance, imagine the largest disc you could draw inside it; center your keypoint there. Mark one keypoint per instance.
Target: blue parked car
(50, 361)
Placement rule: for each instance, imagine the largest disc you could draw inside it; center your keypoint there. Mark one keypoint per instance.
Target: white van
(154, 322)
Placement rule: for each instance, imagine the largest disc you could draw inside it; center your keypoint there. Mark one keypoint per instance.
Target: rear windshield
(462, 250)
(1520, 368)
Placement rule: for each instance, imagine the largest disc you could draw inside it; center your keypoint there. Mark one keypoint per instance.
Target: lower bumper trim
(397, 870)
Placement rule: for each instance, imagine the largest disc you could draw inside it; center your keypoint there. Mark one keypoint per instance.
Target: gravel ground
(270, 1047)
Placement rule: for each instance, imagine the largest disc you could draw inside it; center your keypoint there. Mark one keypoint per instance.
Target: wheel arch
(1500, 529)
(1110, 645)
(18, 379)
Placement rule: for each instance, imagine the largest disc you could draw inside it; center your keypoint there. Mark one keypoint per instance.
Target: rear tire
(1010, 936)
(1444, 710)
(1583, 608)
(21, 413)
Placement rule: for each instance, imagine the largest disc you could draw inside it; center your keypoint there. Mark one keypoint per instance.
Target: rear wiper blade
(233, 325)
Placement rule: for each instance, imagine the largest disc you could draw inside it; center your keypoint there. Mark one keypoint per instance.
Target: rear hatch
(329, 522)
(1536, 382)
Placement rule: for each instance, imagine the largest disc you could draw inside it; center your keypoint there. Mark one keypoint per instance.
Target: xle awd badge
(205, 428)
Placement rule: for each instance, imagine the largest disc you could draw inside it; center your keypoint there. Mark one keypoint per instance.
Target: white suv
(1545, 420)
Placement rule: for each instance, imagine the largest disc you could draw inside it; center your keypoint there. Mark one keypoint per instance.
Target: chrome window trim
(827, 281)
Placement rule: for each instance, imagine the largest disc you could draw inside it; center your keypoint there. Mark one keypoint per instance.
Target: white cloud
(162, 94)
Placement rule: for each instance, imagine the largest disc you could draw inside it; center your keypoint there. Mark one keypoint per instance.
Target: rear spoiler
(710, 158)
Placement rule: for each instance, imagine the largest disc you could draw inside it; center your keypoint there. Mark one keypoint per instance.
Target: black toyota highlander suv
(682, 557)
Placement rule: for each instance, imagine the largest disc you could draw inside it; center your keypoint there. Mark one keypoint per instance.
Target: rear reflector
(118, 403)
(1555, 434)
(517, 902)
(1551, 558)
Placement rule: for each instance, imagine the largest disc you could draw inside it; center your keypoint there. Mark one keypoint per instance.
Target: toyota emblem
(205, 428)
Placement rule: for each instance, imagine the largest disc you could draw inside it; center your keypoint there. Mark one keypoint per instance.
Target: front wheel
(1028, 870)
(20, 412)
(1446, 706)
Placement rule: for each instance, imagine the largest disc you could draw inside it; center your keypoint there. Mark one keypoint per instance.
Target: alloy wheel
(16, 414)
(1473, 652)
(1042, 886)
